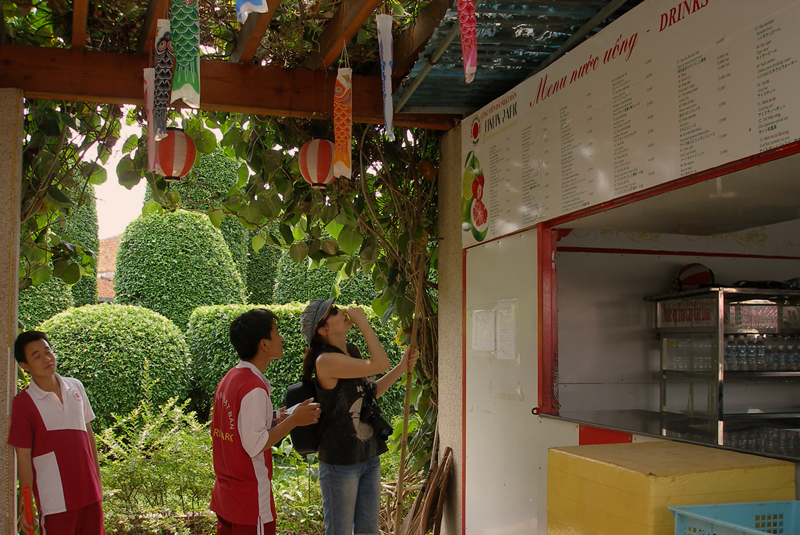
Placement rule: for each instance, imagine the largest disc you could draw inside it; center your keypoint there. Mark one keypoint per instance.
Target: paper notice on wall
(483, 330)
(506, 328)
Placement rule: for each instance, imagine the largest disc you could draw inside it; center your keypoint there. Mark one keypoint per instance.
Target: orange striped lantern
(316, 162)
(176, 154)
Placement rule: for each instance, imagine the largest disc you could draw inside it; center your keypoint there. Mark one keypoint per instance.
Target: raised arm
(406, 364)
(340, 366)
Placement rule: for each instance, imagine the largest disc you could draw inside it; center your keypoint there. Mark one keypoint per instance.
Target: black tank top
(344, 438)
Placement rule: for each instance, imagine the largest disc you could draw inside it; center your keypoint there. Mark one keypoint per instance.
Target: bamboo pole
(412, 345)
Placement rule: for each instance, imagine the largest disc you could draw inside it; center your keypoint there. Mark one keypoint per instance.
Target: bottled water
(770, 347)
(731, 362)
(760, 349)
(741, 353)
(750, 344)
(794, 365)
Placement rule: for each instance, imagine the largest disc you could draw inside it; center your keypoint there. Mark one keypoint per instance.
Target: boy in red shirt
(242, 429)
(54, 442)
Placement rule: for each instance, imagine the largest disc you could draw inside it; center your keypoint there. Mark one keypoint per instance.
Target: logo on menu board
(476, 130)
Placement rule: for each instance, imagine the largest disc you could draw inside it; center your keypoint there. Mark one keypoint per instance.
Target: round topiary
(106, 348)
(300, 282)
(173, 262)
(38, 303)
(213, 355)
(262, 268)
(81, 226)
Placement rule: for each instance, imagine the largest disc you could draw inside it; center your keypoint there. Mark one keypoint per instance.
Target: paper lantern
(316, 162)
(176, 154)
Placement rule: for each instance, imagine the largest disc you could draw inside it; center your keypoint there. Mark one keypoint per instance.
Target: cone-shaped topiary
(106, 346)
(173, 262)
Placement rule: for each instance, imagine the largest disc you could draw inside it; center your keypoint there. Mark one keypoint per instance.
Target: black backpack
(305, 439)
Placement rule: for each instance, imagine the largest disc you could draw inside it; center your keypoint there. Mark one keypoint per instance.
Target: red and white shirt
(64, 472)
(240, 424)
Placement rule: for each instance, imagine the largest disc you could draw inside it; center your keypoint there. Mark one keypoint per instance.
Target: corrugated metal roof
(514, 38)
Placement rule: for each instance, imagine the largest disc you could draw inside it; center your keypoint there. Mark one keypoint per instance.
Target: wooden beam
(156, 9)
(346, 22)
(252, 32)
(412, 41)
(104, 77)
(80, 13)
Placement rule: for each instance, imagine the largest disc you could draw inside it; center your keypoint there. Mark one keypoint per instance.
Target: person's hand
(306, 413)
(409, 358)
(357, 316)
(280, 417)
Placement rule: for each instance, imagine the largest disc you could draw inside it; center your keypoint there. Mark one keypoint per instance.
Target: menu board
(668, 90)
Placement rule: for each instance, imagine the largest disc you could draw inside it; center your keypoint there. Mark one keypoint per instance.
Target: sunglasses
(331, 312)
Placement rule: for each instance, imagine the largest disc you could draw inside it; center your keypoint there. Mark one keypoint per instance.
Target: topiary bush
(213, 355)
(81, 226)
(106, 347)
(300, 282)
(38, 303)
(262, 268)
(210, 179)
(173, 262)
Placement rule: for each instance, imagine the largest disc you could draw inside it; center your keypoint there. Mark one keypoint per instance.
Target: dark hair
(23, 340)
(248, 329)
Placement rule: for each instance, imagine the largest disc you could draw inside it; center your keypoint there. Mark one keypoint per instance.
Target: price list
(776, 83)
(624, 130)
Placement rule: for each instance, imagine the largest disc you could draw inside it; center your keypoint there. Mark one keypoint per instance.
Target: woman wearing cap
(349, 449)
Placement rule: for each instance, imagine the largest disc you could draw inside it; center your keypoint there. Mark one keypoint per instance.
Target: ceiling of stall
(763, 194)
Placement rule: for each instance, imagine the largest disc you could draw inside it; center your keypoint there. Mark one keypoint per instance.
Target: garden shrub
(107, 347)
(300, 282)
(210, 179)
(173, 262)
(262, 268)
(81, 227)
(213, 355)
(38, 303)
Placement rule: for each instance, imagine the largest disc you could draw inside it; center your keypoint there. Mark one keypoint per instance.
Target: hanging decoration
(467, 24)
(385, 47)
(343, 119)
(149, 88)
(176, 154)
(185, 24)
(316, 162)
(245, 7)
(163, 78)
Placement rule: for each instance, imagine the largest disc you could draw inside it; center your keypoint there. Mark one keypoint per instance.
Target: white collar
(252, 367)
(36, 390)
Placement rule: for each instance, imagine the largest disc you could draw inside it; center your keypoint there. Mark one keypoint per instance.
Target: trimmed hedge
(210, 179)
(213, 355)
(82, 227)
(38, 303)
(173, 262)
(300, 282)
(106, 346)
(262, 268)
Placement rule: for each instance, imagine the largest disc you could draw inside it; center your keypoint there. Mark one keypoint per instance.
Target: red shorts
(84, 521)
(227, 528)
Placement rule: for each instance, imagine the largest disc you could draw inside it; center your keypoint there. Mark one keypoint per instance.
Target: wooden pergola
(237, 85)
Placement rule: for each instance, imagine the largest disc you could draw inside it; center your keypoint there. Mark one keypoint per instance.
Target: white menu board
(668, 90)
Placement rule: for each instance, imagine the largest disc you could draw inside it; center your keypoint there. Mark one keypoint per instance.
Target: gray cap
(312, 315)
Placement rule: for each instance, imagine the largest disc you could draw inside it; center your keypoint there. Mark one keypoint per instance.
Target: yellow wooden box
(616, 489)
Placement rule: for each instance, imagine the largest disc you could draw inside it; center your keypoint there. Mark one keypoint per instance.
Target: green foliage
(295, 484)
(212, 176)
(108, 347)
(213, 355)
(157, 470)
(56, 169)
(262, 268)
(173, 262)
(38, 303)
(300, 282)
(82, 228)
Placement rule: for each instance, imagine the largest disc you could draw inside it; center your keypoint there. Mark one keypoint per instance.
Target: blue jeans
(351, 497)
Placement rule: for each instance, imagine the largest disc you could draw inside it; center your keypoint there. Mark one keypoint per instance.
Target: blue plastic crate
(757, 518)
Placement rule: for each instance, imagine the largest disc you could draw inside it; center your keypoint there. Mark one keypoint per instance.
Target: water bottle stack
(761, 353)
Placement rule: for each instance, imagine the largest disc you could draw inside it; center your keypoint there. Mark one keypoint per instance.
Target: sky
(116, 205)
